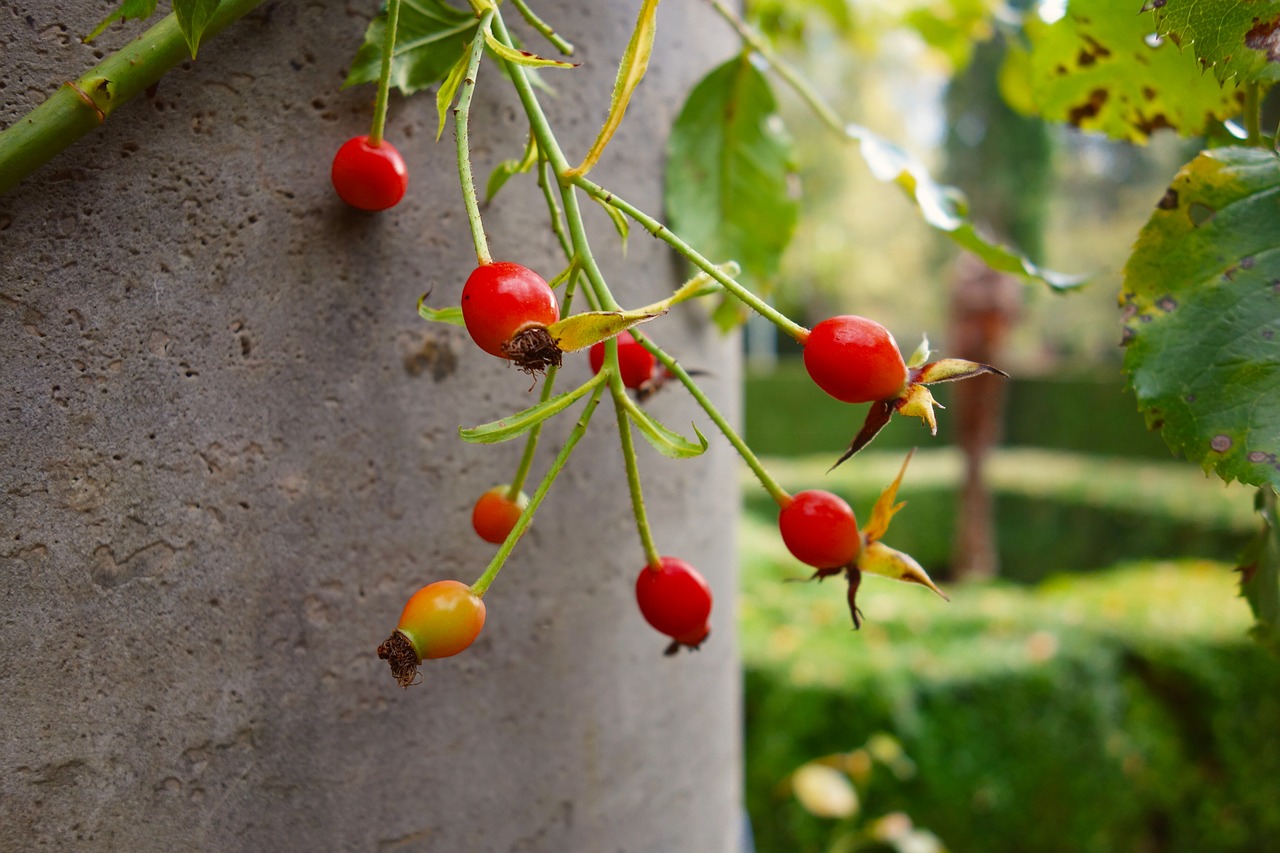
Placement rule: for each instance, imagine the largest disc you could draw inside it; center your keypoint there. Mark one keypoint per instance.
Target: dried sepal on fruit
(438, 621)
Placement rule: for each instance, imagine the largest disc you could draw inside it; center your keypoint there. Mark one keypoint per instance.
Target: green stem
(461, 118)
(550, 147)
(657, 229)
(792, 77)
(384, 77)
(651, 554)
(531, 445)
(779, 494)
(541, 26)
(522, 524)
(553, 206)
(1253, 114)
(78, 107)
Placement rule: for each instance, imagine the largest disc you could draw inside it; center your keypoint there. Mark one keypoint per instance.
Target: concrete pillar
(230, 453)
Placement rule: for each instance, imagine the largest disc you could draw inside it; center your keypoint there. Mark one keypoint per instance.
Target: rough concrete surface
(230, 453)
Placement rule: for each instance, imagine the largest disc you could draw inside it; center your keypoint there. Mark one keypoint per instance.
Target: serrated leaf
(1260, 574)
(728, 170)
(193, 17)
(523, 57)
(1094, 68)
(1202, 315)
(943, 206)
(635, 61)
(665, 440)
(521, 422)
(449, 90)
(1239, 41)
(620, 223)
(129, 10)
(431, 37)
(579, 331)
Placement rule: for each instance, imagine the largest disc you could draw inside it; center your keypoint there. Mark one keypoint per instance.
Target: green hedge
(1116, 711)
(786, 414)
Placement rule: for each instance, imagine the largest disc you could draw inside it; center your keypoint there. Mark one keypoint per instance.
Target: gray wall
(230, 453)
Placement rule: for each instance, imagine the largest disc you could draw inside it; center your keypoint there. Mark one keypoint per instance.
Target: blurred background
(1091, 685)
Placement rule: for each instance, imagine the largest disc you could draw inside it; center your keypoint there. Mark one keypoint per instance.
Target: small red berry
(819, 529)
(674, 598)
(367, 176)
(855, 360)
(635, 363)
(495, 513)
(507, 308)
(438, 621)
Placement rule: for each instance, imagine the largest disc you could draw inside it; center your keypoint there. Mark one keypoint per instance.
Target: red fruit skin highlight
(369, 177)
(820, 530)
(502, 299)
(674, 599)
(855, 360)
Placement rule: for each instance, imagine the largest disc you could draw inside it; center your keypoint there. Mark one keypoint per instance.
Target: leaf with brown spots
(1094, 68)
(1239, 41)
(1201, 313)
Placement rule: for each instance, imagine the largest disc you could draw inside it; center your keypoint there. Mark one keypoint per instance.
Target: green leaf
(729, 164)
(579, 331)
(521, 422)
(1236, 40)
(504, 170)
(666, 441)
(635, 61)
(193, 17)
(1260, 574)
(431, 38)
(451, 315)
(129, 10)
(943, 207)
(449, 90)
(1202, 315)
(523, 57)
(1094, 68)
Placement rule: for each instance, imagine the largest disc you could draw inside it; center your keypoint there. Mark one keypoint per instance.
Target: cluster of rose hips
(512, 313)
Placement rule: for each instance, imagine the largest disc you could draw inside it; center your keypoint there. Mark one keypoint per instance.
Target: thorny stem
(78, 107)
(541, 26)
(522, 524)
(651, 554)
(531, 445)
(779, 494)
(384, 76)
(461, 117)
(553, 207)
(657, 229)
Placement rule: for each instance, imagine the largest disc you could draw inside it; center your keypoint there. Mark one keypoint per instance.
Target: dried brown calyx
(533, 350)
(402, 657)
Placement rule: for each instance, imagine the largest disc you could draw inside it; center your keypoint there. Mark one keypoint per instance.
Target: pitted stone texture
(231, 453)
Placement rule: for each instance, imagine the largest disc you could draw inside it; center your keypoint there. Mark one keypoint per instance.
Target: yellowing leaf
(879, 559)
(885, 508)
(449, 88)
(580, 331)
(523, 57)
(635, 61)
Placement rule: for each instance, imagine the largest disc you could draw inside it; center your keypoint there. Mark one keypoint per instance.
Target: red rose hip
(635, 363)
(855, 360)
(370, 177)
(506, 308)
(495, 514)
(674, 598)
(819, 529)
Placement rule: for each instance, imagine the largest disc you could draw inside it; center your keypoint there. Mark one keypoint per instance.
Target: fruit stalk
(384, 76)
(557, 465)
(461, 118)
(651, 554)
